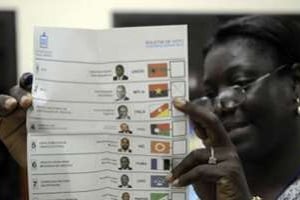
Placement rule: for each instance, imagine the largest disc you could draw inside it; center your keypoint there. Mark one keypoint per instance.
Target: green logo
(159, 196)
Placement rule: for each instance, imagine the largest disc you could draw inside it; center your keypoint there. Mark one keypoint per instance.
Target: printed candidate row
(114, 194)
(77, 163)
(93, 143)
(103, 112)
(111, 72)
(48, 183)
(161, 129)
(118, 93)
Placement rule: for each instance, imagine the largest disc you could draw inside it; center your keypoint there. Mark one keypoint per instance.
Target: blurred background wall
(97, 14)
(18, 18)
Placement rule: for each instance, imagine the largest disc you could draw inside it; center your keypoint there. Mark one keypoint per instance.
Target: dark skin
(124, 180)
(123, 111)
(124, 143)
(125, 196)
(119, 71)
(13, 119)
(249, 140)
(251, 157)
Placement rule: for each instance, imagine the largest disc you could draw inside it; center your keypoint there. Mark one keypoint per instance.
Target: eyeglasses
(233, 96)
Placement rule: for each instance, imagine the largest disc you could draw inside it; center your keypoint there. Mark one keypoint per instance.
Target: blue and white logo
(44, 40)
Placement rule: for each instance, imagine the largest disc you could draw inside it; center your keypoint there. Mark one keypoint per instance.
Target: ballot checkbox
(177, 69)
(178, 196)
(179, 128)
(176, 162)
(178, 89)
(176, 113)
(179, 147)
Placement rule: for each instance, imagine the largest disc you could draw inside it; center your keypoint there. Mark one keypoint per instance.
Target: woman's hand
(224, 180)
(13, 118)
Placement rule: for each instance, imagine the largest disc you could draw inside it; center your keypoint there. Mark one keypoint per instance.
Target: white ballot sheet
(102, 125)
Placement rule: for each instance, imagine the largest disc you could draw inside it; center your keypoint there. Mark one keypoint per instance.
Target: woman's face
(266, 118)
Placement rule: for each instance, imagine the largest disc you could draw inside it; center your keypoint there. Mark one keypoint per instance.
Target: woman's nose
(228, 100)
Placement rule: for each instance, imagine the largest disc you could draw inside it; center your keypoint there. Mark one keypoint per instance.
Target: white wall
(96, 14)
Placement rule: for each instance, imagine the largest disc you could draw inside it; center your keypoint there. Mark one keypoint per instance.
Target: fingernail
(179, 102)
(175, 183)
(26, 100)
(10, 103)
(169, 177)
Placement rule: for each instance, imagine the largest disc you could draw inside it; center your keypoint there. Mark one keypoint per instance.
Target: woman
(248, 119)
(252, 83)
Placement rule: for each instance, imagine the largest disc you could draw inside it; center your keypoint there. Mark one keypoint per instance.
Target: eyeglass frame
(243, 88)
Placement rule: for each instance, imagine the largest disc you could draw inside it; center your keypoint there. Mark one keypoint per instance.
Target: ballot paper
(102, 125)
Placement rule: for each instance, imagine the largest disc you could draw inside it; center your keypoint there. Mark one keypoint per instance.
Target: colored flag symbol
(160, 164)
(158, 90)
(160, 147)
(157, 70)
(158, 181)
(159, 196)
(160, 129)
(159, 110)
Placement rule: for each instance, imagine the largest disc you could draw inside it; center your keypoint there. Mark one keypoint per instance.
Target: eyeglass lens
(229, 98)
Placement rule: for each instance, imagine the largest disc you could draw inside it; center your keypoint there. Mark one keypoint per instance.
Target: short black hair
(281, 33)
(121, 86)
(124, 138)
(124, 157)
(120, 66)
(122, 106)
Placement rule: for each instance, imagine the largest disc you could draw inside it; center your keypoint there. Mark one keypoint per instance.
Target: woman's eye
(210, 93)
(242, 82)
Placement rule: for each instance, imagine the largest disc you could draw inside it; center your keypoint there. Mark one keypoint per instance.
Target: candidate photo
(120, 73)
(124, 144)
(121, 93)
(125, 196)
(123, 112)
(125, 181)
(125, 163)
(124, 128)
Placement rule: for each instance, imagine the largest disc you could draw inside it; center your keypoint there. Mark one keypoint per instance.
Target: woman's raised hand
(13, 118)
(224, 180)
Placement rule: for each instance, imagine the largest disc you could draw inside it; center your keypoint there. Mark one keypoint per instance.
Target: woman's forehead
(239, 53)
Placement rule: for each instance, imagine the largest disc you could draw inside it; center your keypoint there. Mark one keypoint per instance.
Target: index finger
(208, 120)
(7, 105)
